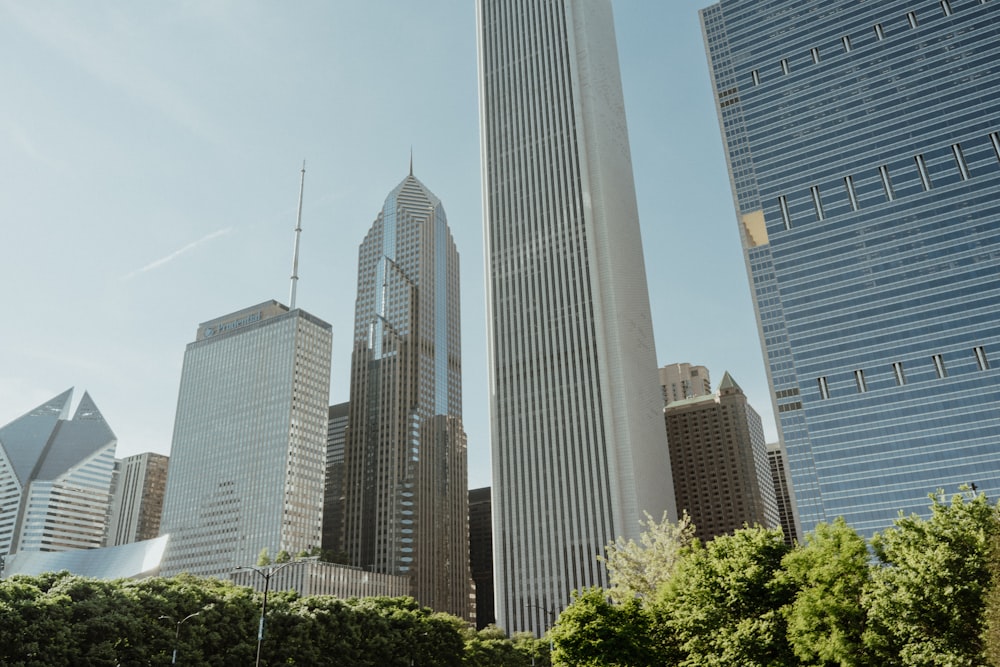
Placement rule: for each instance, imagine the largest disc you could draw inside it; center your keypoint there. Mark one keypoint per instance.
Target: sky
(150, 156)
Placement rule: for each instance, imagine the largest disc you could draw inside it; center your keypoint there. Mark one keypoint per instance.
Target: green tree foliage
(926, 602)
(826, 620)
(722, 604)
(991, 614)
(263, 558)
(490, 647)
(640, 569)
(596, 632)
(282, 557)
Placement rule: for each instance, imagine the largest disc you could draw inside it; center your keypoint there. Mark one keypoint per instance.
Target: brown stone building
(719, 463)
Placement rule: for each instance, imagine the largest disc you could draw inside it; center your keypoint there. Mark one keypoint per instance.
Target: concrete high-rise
(579, 451)
(406, 504)
(55, 477)
(137, 491)
(863, 145)
(333, 496)
(248, 455)
(719, 462)
(481, 554)
(783, 493)
(680, 381)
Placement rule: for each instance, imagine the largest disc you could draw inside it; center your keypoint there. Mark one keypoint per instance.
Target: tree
(722, 605)
(925, 605)
(263, 558)
(639, 569)
(595, 632)
(282, 557)
(825, 620)
(991, 635)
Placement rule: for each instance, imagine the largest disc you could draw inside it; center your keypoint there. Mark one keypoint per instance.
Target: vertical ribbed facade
(248, 454)
(578, 446)
(863, 145)
(783, 492)
(406, 485)
(137, 498)
(333, 496)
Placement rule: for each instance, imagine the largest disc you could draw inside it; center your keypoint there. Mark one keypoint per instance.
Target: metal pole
(266, 574)
(298, 233)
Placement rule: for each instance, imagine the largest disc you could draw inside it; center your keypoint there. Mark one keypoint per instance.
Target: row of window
(883, 171)
(982, 362)
(845, 41)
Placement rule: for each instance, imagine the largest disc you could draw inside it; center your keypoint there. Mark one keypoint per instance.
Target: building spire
(411, 159)
(298, 234)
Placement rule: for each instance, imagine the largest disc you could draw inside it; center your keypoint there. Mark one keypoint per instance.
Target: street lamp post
(266, 573)
(177, 633)
(552, 615)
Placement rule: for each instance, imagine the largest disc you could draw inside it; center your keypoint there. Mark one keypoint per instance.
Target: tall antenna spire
(411, 160)
(298, 234)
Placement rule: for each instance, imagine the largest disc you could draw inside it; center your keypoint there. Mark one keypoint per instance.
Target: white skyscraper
(579, 448)
(248, 455)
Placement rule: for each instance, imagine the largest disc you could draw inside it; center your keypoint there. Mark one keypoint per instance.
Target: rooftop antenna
(298, 234)
(411, 160)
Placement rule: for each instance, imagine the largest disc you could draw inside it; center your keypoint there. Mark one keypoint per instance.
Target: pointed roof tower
(728, 385)
(24, 440)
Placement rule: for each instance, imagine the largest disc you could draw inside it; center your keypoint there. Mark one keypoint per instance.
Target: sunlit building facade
(579, 451)
(55, 478)
(863, 145)
(137, 491)
(719, 462)
(249, 448)
(406, 506)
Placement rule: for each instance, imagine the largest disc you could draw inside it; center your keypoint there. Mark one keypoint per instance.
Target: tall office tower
(333, 496)
(719, 462)
(783, 494)
(406, 508)
(481, 554)
(55, 477)
(862, 140)
(578, 446)
(137, 490)
(680, 381)
(248, 455)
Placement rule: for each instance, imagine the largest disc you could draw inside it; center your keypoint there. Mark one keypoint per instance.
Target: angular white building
(55, 477)
(248, 455)
(579, 449)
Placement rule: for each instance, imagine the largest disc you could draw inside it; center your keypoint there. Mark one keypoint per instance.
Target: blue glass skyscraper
(864, 156)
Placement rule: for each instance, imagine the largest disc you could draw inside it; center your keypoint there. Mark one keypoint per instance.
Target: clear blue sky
(149, 181)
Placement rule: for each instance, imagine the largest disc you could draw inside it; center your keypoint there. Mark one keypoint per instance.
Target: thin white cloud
(177, 253)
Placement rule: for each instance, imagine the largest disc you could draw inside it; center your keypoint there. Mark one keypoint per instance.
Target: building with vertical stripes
(863, 145)
(783, 493)
(406, 502)
(248, 455)
(578, 446)
(137, 491)
(333, 495)
(481, 554)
